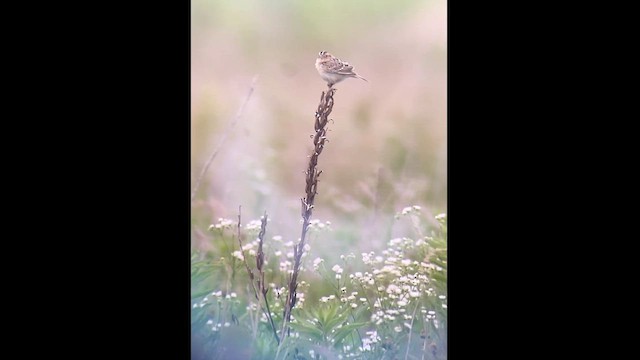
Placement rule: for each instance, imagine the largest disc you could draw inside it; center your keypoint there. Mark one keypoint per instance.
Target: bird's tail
(360, 77)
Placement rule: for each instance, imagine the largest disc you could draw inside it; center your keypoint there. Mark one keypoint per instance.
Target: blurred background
(387, 143)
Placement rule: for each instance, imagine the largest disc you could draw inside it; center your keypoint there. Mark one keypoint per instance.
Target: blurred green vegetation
(312, 17)
(374, 305)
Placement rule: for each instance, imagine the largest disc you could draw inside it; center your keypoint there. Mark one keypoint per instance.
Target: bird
(333, 70)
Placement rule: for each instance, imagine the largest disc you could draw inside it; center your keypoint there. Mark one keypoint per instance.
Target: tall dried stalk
(312, 174)
(260, 292)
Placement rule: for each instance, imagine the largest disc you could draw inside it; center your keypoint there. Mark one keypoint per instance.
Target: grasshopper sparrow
(333, 70)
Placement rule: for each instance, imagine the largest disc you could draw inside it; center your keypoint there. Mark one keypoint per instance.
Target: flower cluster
(386, 295)
(214, 296)
(396, 286)
(401, 283)
(277, 294)
(316, 263)
(253, 226)
(222, 224)
(371, 339)
(217, 326)
(316, 226)
(409, 210)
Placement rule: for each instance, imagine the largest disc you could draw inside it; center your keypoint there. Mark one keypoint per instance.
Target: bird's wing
(341, 67)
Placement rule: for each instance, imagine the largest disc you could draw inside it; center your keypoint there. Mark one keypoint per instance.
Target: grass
(374, 305)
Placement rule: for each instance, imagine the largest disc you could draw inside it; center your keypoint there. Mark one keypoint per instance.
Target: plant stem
(413, 316)
(312, 174)
(262, 297)
(224, 138)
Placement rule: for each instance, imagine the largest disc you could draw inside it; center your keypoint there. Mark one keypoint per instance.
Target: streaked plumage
(333, 70)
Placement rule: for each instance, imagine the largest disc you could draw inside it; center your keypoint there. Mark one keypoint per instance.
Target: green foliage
(326, 325)
(377, 306)
(201, 272)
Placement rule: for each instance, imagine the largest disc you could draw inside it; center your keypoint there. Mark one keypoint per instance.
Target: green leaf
(325, 315)
(361, 311)
(201, 275)
(311, 331)
(335, 321)
(439, 277)
(345, 331)
(198, 316)
(201, 293)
